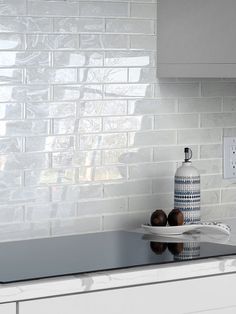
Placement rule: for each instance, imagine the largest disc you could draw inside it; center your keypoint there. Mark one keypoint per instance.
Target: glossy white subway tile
(107, 41)
(42, 110)
(74, 193)
(20, 161)
(10, 111)
(152, 106)
(130, 26)
(103, 141)
(143, 10)
(53, 8)
(152, 138)
(127, 156)
(199, 136)
(200, 104)
(102, 75)
(13, 7)
(11, 76)
(25, 24)
(127, 188)
(176, 121)
(23, 58)
(78, 25)
(24, 127)
(103, 108)
(52, 42)
(77, 92)
(10, 145)
(49, 143)
(77, 58)
(103, 8)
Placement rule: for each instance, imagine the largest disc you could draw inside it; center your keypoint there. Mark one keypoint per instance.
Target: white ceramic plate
(175, 230)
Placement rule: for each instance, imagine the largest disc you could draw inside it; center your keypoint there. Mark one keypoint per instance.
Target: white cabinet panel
(196, 38)
(188, 296)
(9, 308)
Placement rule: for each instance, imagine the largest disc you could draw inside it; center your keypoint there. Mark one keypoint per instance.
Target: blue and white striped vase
(187, 190)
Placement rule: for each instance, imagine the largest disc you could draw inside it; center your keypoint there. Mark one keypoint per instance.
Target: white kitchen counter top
(129, 277)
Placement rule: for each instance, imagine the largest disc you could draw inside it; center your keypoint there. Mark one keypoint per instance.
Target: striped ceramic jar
(187, 192)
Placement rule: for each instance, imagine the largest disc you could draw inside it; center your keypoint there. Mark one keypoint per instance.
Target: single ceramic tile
(127, 188)
(176, 121)
(50, 176)
(213, 89)
(151, 202)
(228, 195)
(52, 42)
(23, 58)
(208, 151)
(36, 110)
(23, 128)
(76, 159)
(128, 90)
(141, 10)
(163, 185)
(77, 92)
(50, 211)
(94, 41)
(152, 106)
(103, 8)
(103, 108)
(199, 136)
(218, 120)
(13, 7)
(24, 93)
(12, 41)
(129, 58)
(106, 173)
(79, 225)
(152, 138)
(142, 75)
(229, 104)
(209, 166)
(49, 143)
(143, 42)
(11, 76)
(51, 76)
(200, 104)
(15, 161)
(130, 26)
(11, 214)
(24, 195)
(77, 59)
(127, 156)
(10, 178)
(210, 197)
(78, 25)
(127, 123)
(10, 145)
(76, 192)
(103, 75)
(25, 24)
(10, 111)
(53, 8)
(89, 125)
(65, 126)
(152, 170)
(94, 141)
(177, 89)
(100, 207)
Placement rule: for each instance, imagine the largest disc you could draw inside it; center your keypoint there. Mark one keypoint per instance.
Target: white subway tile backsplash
(89, 137)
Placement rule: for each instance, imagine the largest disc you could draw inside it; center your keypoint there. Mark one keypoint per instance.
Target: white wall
(90, 140)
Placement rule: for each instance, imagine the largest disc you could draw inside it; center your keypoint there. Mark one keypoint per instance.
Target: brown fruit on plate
(175, 218)
(158, 218)
(158, 247)
(175, 248)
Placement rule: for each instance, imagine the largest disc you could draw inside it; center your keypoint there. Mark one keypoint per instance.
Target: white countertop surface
(128, 277)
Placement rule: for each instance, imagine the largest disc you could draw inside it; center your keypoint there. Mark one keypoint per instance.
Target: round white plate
(175, 230)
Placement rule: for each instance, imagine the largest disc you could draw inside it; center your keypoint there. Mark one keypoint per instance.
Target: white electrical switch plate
(229, 157)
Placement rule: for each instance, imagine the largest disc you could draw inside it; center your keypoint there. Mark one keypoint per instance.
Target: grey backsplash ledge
(89, 138)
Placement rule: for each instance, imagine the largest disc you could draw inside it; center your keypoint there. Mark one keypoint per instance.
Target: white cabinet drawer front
(180, 297)
(9, 308)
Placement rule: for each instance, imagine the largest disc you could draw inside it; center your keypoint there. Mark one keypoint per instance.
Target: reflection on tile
(12, 41)
(127, 123)
(103, 108)
(94, 41)
(77, 58)
(152, 106)
(21, 93)
(75, 192)
(78, 25)
(52, 42)
(23, 128)
(25, 24)
(11, 76)
(24, 195)
(13, 7)
(23, 161)
(50, 110)
(93, 141)
(51, 76)
(128, 90)
(65, 126)
(107, 173)
(10, 111)
(103, 75)
(9, 178)
(49, 143)
(10, 145)
(76, 159)
(50, 176)
(103, 9)
(11, 214)
(53, 8)
(128, 26)
(77, 92)
(129, 58)
(23, 58)
(90, 125)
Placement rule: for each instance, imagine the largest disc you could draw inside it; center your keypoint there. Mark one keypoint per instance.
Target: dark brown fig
(175, 248)
(175, 218)
(158, 247)
(158, 218)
